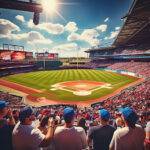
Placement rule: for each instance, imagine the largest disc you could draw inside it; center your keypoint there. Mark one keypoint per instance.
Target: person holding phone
(28, 137)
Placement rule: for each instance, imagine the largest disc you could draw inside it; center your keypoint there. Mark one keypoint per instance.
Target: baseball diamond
(83, 86)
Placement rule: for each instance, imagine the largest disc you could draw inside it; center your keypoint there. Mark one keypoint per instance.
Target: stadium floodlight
(36, 18)
(29, 6)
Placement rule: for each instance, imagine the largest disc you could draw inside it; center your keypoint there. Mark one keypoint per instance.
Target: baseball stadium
(74, 74)
(47, 79)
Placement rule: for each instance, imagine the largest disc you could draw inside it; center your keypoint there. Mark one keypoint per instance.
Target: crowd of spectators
(14, 100)
(61, 128)
(129, 52)
(140, 68)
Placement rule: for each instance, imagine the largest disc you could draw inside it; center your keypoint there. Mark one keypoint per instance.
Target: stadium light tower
(23, 6)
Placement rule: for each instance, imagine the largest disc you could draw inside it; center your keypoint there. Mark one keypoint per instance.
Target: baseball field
(67, 86)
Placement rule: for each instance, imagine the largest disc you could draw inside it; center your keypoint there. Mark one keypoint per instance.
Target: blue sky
(83, 24)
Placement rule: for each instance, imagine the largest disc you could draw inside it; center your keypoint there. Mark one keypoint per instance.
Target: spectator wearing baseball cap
(101, 135)
(6, 126)
(132, 136)
(69, 137)
(26, 136)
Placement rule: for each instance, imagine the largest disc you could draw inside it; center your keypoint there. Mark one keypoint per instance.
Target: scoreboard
(51, 56)
(15, 55)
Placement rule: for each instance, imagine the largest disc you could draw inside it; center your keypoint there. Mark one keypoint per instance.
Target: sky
(72, 28)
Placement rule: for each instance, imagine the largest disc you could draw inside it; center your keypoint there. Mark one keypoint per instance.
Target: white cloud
(70, 49)
(66, 47)
(102, 27)
(30, 24)
(20, 18)
(73, 37)
(106, 38)
(37, 38)
(107, 19)
(32, 37)
(113, 34)
(88, 35)
(71, 27)
(7, 27)
(117, 28)
(49, 27)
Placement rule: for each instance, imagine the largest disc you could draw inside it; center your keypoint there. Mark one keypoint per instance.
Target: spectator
(132, 136)
(69, 137)
(43, 125)
(6, 126)
(26, 137)
(101, 135)
(147, 139)
(16, 115)
(82, 123)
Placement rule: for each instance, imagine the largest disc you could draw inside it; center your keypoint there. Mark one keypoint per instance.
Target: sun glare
(49, 6)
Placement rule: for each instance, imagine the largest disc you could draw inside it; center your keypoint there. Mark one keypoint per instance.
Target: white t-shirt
(26, 137)
(128, 139)
(147, 129)
(70, 138)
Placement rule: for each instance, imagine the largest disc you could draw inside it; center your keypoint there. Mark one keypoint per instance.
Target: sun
(49, 6)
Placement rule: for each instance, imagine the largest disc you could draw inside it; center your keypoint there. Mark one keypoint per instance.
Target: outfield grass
(43, 80)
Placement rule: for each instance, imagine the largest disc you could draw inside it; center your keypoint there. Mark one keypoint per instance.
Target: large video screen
(5, 55)
(17, 55)
(12, 55)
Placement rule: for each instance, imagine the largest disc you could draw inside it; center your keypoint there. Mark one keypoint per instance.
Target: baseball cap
(104, 114)
(3, 104)
(129, 114)
(25, 113)
(68, 114)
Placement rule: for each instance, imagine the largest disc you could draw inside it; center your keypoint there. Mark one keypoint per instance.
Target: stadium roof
(100, 49)
(136, 28)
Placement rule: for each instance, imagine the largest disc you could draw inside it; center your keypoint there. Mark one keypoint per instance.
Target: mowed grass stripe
(81, 74)
(64, 76)
(53, 77)
(38, 81)
(46, 79)
(34, 78)
(37, 75)
(61, 77)
(100, 76)
(56, 77)
(109, 77)
(85, 75)
(88, 75)
(93, 75)
(33, 74)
